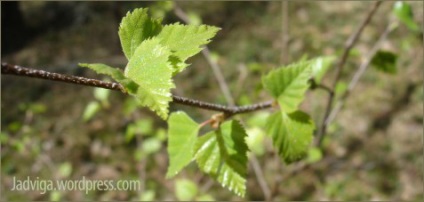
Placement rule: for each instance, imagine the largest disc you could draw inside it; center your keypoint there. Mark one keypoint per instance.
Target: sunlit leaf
(113, 72)
(150, 69)
(320, 66)
(185, 41)
(207, 153)
(223, 155)
(291, 134)
(136, 27)
(288, 84)
(255, 140)
(403, 12)
(181, 141)
(385, 61)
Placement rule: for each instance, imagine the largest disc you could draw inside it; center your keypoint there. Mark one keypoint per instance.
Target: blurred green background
(51, 130)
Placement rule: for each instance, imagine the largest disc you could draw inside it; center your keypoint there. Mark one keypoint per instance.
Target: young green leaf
(385, 61)
(136, 27)
(151, 145)
(185, 41)
(291, 134)
(90, 110)
(320, 66)
(288, 84)
(207, 155)
(223, 155)
(147, 195)
(181, 141)
(113, 72)
(314, 155)
(403, 12)
(150, 69)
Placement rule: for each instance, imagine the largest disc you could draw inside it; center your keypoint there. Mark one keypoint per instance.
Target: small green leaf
(291, 134)
(255, 140)
(403, 12)
(151, 145)
(4, 137)
(115, 73)
(55, 195)
(90, 110)
(185, 41)
(101, 94)
(150, 69)
(223, 155)
(385, 61)
(207, 155)
(182, 139)
(130, 106)
(160, 8)
(65, 169)
(205, 197)
(37, 108)
(185, 190)
(140, 127)
(320, 66)
(288, 84)
(194, 18)
(147, 195)
(340, 89)
(314, 155)
(136, 27)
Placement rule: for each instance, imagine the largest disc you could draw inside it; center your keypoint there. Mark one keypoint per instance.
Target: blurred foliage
(385, 61)
(43, 133)
(403, 11)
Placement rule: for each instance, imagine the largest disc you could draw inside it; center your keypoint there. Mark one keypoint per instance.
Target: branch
(358, 74)
(285, 33)
(29, 72)
(339, 69)
(207, 55)
(260, 177)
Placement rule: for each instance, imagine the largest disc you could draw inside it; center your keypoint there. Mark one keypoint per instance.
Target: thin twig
(339, 69)
(261, 179)
(228, 110)
(206, 53)
(228, 97)
(326, 88)
(358, 74)
(219, 76)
